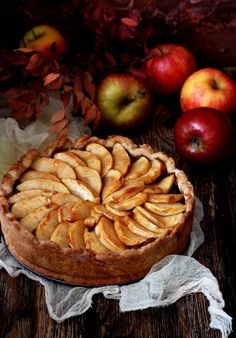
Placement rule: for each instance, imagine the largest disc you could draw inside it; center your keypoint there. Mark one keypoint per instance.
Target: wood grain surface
(23, 312)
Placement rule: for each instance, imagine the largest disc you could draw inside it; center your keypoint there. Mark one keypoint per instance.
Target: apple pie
(95, 211)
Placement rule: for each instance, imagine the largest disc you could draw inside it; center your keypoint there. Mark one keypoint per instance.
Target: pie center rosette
(103, 201)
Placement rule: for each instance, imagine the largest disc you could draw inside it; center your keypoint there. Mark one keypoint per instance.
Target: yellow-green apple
(124, 101)
(168, 66)
(46, 40)
(209, 87)
(203, 135)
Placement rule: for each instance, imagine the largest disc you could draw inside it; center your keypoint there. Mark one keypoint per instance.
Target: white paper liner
(169, 280)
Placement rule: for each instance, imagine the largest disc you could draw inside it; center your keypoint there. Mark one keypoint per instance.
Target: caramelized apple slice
(103, 154)
(69, 158)
(91, 160)
(101, 209)
(138, 168)
(126, 236)
(141, 218)
(76, 235)
(47, 226)
(153, 173)
(29, 194)
(121, 213)
(171, 221)
(89, 176)
(64, 213)
(112, 181)
(53, 166)
(42, 184)
(60, 235)
(93, 243)
(165, 198)
(61, 198)
(166, 183)
(139, 230)
(165, 209)
(82, 210)
(22, 208)
(80, 189)
(121, 159)
(132, 202)
(31, 221)
(129, 190)
(149, 215)
(106, 233)
(34, 175)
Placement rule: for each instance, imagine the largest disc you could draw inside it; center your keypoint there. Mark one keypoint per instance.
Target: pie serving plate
(95, 211)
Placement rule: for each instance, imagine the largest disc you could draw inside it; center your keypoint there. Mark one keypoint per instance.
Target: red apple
(203, 135)
(209, 87)
(46, 40)
(124, 101)
(168, 67)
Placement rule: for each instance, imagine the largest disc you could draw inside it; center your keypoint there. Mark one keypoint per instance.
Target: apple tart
(95, 211)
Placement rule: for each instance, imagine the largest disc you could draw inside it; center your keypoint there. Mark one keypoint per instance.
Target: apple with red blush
(124, 101)
(203, 135)
(209, 87)
(168, 66)
(46, 40)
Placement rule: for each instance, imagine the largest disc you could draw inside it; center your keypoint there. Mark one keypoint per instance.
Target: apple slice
(31, 221)
(106, 233)
(53, 166)
(89, 176)
(141, 218)
(129, 190)
(82, 210)
(101, 209)
(103, 154)
(91, 160)
(81, 189)
(121, 213)
(42, 184)
(22, 208)
(139, 230)
(165, 184)
(138, 168)
(153, 173)
(47, 225)
(76, 235)
(165, 209)
(121, 159)
(60, 235)
(29, 194)
(112, 181)
(34, 175)
(61, 198)
(69, 158)
(171, 221)
(165, 198)
(126, 236)
(64, 213)
(93, 243)
(132, 202)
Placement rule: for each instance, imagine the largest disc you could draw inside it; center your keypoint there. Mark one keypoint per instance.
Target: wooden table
(23, 312)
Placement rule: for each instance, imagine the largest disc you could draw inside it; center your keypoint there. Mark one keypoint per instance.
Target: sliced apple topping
(138, 168)
(127, 191)
(165, 198)
(106, 233)
(93, 243)
(53, 166)
(61, 198)
(82, 210)
(29, 194)
(150, 224)
(153, 173)
(131, 202)
(103, 154)
(121, 213)
(47, 225)
(42, 184)
(171, 221)
(139, 230)
(166, 183)
(64, 212)
(121, 159)
(34, 175)
(112, 181)
(22, 208)
(101, 209)
(90, 176)
(81, 189)
(70, 158)
(76, 235)
(31, 221)
(126, 236)
(60, 235)
(165, 209)
(91, 160)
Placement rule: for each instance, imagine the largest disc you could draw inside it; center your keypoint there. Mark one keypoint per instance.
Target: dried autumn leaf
(87, 76)
(65, 98)
(77, 85)
(58, 116)
(129, 22)
(34, 62)
(110, 58)
(63, 132)
(97, 120)
(50, 78)
(90, 89)
(58, 126)
(90, 114)
(85, 105)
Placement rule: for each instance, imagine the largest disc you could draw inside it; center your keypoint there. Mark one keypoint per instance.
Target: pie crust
(119, 262)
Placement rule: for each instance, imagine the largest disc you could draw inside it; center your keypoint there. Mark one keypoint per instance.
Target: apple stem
(160, 50)
(214, 84)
